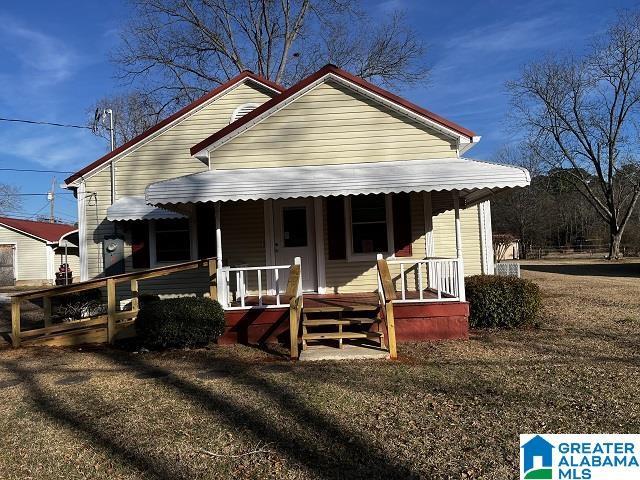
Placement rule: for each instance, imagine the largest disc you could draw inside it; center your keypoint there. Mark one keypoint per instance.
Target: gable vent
(242, 110)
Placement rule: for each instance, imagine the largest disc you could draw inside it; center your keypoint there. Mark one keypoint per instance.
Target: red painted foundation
(414, 322)
(431, 321)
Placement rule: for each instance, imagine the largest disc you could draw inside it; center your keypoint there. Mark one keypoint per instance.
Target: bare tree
(501, 244)
(9, 199)
(134, 112)
(582, 114)
(176, 50)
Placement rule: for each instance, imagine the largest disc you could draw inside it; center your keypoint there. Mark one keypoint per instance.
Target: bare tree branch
(584, 111)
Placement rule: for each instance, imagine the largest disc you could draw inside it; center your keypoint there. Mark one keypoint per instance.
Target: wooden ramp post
(294, 292)
(15, 322)
(111, 309)
(388, 295)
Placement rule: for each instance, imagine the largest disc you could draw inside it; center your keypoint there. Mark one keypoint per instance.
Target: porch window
(206, 226)
(173, 242)
(370, 225)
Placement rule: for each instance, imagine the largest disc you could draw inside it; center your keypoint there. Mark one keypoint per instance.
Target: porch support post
(456, 207)
(221, 291)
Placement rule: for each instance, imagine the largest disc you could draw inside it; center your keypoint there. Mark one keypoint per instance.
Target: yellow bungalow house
(333, 173)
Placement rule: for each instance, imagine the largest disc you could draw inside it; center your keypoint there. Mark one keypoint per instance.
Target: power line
(39, 122)
(32, 170)
(33, 194)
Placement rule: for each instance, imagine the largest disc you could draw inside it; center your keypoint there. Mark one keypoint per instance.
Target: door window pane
(369, 224)
(294, 223)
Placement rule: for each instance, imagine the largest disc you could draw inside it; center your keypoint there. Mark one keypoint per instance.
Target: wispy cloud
(35, 74)
(38, 58)
(534, 33)
(62, 149)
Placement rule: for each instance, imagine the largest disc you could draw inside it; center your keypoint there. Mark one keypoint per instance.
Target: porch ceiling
(475, 180)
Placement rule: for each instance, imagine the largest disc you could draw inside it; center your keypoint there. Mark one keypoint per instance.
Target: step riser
(354, 309)
(342, 335)
(323, 322)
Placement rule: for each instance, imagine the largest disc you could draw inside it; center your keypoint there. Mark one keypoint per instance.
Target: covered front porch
(337, 225)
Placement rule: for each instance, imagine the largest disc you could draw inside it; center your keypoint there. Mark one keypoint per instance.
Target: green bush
(179, 322)
(147, 298)
(502, 302)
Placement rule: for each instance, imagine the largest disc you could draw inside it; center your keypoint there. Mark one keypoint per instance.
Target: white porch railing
(420, 279)
(237, 284)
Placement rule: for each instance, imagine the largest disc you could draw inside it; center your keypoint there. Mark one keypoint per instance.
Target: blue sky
(54, 65)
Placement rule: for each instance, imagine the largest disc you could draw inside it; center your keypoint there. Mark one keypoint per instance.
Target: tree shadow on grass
(337, 452)
(306, 437)
(79, 423)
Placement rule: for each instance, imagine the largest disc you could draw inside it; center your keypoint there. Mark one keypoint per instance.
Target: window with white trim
(369, 225)
(173, 240)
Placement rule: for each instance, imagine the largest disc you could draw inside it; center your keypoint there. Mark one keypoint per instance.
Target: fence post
(213, 279)
(293, 327)
(298, 261)
(111, 309)
(46, 305)
(461, 292)
(135, 293)
(391, 330)
(15, 322)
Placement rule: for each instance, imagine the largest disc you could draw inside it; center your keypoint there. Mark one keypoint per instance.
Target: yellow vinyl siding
(31, 256)
(343, 276)
(444, 238)
(332, 125)
(167, 155)
(164, 156)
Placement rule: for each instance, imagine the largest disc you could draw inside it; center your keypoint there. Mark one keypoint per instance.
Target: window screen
(172, 240)
(369, 224)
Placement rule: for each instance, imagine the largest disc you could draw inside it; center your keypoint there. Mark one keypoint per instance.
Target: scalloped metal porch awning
(136, 208)
(474, 180)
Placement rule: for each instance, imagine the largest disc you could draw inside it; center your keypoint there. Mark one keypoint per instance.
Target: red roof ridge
(50, 232)
(305, 82)
(245, 74)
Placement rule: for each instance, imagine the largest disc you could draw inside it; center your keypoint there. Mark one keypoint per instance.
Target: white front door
(294, 236)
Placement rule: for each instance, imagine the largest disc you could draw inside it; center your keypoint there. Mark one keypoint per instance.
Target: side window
(173, 241)
(206, 218)
(140, 244)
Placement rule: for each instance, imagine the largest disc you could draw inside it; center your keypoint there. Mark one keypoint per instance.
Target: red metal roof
(244, 75)
(50, 232)
(308, 81)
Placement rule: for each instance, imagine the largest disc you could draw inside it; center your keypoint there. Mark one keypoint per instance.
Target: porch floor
(357, 301)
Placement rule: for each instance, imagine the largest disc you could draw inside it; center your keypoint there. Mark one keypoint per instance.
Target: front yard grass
(446, 410)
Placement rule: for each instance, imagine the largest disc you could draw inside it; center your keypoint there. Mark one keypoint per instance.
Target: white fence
(419, 280)
(236, 284)
(507, 269)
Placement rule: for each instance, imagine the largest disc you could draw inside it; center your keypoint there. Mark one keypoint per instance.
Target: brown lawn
(445, 410)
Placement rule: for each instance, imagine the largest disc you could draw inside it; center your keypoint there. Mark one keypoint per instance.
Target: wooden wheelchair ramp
(104, 328)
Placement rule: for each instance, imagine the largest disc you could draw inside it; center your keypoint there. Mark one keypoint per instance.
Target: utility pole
(51, 196)
(109, 112)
